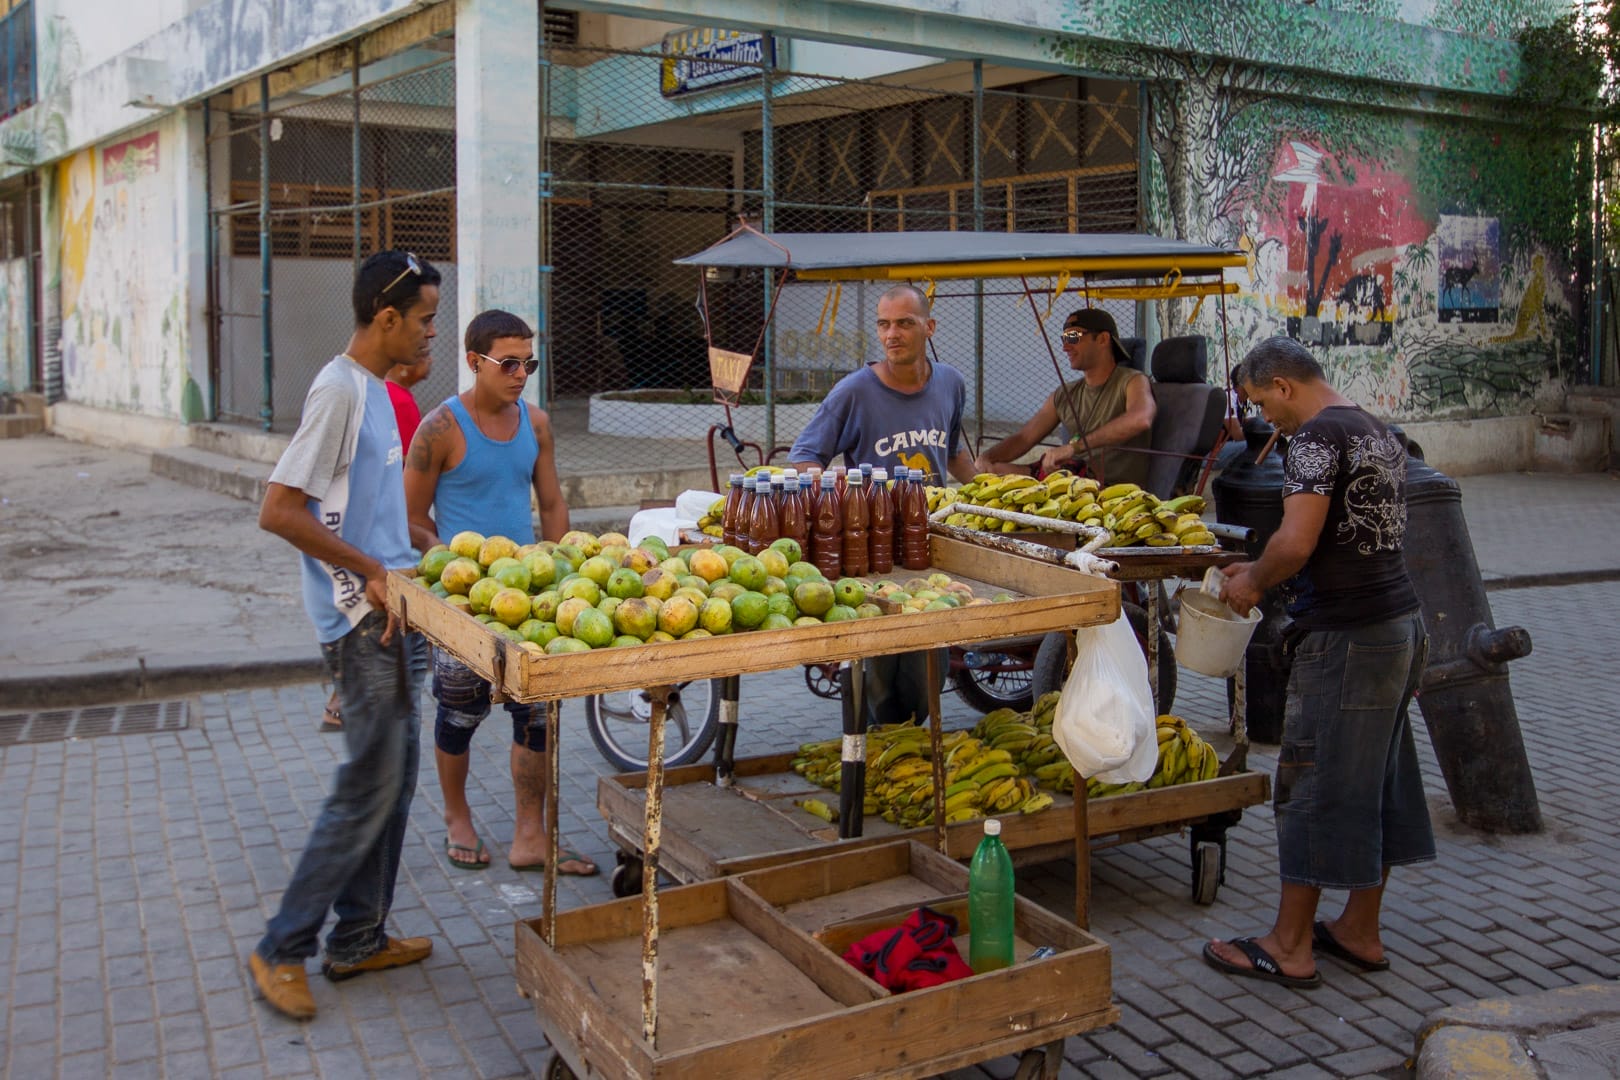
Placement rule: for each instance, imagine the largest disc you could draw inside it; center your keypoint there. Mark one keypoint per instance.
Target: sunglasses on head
(413, 265)
(511, 365)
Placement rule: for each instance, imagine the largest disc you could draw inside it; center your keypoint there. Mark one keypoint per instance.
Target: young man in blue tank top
(472, 463)
(336, 496)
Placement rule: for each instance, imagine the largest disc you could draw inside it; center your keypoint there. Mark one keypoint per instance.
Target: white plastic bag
(663, 522)
(1104, 721)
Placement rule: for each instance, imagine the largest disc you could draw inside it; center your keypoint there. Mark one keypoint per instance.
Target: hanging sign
(706, 57)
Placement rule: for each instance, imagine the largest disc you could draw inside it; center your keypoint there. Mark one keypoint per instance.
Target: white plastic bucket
(1211, 636)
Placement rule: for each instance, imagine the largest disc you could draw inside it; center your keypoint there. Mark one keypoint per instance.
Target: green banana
(996, 772)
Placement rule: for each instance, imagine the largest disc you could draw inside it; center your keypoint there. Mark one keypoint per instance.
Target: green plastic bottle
(990, 903)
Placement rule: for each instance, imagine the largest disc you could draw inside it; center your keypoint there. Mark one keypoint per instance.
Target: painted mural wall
(121, 268)
(14, 362)
(1425, 248)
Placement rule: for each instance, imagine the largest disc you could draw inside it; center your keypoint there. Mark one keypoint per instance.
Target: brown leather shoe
(284, 986)
(396, 952)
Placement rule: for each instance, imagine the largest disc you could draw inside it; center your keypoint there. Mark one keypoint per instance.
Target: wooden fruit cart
(751, 991)
(738, 816)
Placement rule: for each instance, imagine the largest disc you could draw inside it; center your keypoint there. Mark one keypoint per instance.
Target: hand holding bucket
(1212, 636)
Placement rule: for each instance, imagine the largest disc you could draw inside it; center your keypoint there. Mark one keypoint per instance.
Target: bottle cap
(880, 474)
(790, 476)
(854, 479)
(826, 480)
(736, 478)
(762, 482)
(992, 826)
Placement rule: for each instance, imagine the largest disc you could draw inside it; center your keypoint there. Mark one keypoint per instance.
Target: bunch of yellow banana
(1184, 756)
(900, 775)
(940, 496)
(1133, 516)
(712, 520)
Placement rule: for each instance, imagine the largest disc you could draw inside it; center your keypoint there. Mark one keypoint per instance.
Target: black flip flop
(1322, 940)
(1265, 966)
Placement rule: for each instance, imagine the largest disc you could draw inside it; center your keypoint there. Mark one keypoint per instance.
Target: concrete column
(497, 164)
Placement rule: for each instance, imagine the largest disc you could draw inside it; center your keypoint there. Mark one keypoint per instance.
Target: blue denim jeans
(1349, 798)
(352, 856)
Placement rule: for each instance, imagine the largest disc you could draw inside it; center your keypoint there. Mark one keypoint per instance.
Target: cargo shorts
(463, 699)
(1349, 794)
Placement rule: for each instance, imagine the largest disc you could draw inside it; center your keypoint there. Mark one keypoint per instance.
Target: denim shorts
(463, 698)
(1349, 800)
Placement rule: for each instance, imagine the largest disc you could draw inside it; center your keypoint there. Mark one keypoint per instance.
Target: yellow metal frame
(1003, 268)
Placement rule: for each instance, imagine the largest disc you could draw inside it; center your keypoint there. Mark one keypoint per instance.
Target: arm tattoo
(438, 422)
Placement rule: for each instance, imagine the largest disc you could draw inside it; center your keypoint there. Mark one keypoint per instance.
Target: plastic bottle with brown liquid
(745, 513)
(857, 528)
(728, 520)
(827, 531)
(897, 505)
(794, 516)
(914, 526)
(880, 510)
(765, 525)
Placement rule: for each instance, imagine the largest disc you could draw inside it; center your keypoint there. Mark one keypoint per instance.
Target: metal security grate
(56, 725)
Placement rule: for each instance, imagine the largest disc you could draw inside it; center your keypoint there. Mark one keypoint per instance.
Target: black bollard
(1465, 697)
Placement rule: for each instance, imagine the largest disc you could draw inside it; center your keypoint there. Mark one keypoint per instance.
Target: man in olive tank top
(1109, 411)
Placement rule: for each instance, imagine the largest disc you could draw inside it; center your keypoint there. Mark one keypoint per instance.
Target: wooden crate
(746, 988)
(1047, 597)
(712, 832)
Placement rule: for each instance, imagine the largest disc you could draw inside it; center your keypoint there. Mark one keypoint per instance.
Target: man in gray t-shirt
(902, 410)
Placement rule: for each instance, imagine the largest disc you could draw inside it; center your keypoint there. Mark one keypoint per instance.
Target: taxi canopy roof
(910, 256)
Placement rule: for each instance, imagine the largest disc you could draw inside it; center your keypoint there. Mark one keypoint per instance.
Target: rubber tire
(985, 700)
(697, 745)
(557, 1068)
(1051, 658)
(1206, 872)
(627, 876)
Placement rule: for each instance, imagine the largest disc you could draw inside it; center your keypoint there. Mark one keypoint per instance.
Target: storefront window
(16, 56)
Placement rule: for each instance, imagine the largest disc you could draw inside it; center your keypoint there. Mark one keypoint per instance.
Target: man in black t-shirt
(1349, 796)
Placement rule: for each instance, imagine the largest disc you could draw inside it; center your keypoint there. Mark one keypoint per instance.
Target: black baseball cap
(1099, 320)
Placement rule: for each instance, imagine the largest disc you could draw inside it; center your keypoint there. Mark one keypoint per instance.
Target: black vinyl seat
(1189, 411)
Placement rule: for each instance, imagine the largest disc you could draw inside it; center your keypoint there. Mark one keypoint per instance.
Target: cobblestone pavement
(139, 871)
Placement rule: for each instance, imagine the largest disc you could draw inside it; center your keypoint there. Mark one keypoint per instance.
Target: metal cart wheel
(1003, 682)
(1207, 858)
(557, 1068)
(627, 876)
(822, 679)
(618, 724)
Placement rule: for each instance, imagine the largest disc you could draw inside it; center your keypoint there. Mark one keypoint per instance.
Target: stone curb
(75, 685)
(1542, 581)
(1487, 1038)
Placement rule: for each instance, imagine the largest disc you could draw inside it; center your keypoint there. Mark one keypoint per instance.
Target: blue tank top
(489, 491)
